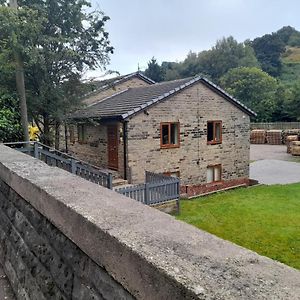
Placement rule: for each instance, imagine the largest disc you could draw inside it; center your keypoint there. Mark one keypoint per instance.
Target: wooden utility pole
(20, 83)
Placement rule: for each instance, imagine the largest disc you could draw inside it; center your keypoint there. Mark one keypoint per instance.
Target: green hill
(290, 64)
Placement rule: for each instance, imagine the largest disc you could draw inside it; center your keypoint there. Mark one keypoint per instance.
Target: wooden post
(73, 166)
(147, 193)
(109, 181)
(36, 150)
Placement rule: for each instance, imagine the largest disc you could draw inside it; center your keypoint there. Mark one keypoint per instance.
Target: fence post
(109, 181)
(147, 193)
(73, 166)
(178, 199)
(36, 150)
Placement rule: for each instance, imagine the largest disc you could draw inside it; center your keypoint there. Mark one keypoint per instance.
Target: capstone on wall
(192, 107)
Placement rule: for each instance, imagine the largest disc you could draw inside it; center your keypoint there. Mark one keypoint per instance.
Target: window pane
(165, 134)
(210, 131)
(217, 173)
(210, 174)
(218, 132)
(174, 134)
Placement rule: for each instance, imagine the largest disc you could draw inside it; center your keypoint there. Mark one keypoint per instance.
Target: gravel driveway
(272, 165)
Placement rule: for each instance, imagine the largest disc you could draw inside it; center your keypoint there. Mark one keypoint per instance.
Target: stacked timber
(274, 137)
(288, 132)
(295, 148)
(289, 140)
(258, 136)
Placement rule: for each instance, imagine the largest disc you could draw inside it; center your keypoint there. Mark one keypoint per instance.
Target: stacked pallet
(258, 136)
(274, 137)
(288, 132)
(289, 140)
(295, 148)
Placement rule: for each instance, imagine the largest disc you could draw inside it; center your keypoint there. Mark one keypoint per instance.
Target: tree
(254, 88)
(268, 50)
(154, 71)
(70, 41)
(293, 103)
(10, 128)
(213, 63)
(18, 28)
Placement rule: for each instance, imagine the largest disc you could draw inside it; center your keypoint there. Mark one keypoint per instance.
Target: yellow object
(33, 133)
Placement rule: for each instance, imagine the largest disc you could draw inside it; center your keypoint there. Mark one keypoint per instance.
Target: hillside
(290, 64)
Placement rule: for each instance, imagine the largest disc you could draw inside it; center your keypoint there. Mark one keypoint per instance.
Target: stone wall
(63, 237)
(94, 149)
(192, 108)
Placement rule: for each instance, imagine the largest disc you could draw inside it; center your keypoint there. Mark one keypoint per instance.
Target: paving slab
(273, 171)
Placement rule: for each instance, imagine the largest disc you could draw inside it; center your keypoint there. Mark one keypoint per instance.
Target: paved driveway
(272, 171)
(272, 165)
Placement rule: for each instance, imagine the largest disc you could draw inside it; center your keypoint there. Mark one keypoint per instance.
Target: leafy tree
(19, 27)
(154, 71)
(213, 63)
(10, 128)
(293, 103)
(254, 88)
(268, 50)
(70, 41)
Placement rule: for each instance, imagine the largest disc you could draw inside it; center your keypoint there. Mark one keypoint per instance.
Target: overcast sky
(168, 29)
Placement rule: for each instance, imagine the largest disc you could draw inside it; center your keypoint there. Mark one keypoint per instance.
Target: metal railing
(53, 157)
(157, 189)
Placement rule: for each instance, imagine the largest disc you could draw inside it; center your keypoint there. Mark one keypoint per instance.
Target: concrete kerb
(148, 252)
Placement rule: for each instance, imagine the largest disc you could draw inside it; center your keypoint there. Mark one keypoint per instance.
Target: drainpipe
(125, 148)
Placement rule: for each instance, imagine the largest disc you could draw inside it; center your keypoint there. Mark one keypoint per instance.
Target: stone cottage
(188, 128)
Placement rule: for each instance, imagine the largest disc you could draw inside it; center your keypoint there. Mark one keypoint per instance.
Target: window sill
(214, 143)
(169, 146)
(214, 183)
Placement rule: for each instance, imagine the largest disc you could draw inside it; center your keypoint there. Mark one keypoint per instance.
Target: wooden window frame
(214, 141)
(219, 166)
(169, 145)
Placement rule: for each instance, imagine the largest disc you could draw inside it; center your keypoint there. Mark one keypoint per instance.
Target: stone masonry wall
(63, 237)
(41, 262)
(130, 83)
(192, 108)
(94, 150)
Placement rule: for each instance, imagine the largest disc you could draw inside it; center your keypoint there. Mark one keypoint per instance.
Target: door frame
(114, 127)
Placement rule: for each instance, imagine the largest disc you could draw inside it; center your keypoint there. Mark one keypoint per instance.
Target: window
(169, 135)
(214, 173)
(81, 133)
(214, 132)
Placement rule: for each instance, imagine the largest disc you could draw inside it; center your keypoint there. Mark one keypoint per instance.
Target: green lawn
(265, 219)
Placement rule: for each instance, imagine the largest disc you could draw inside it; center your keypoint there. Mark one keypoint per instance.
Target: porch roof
(133, 100)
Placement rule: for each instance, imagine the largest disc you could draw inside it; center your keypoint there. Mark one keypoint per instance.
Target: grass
(265, 219)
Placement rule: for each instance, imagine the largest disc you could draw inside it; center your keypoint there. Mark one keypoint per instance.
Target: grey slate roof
(127, 103)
